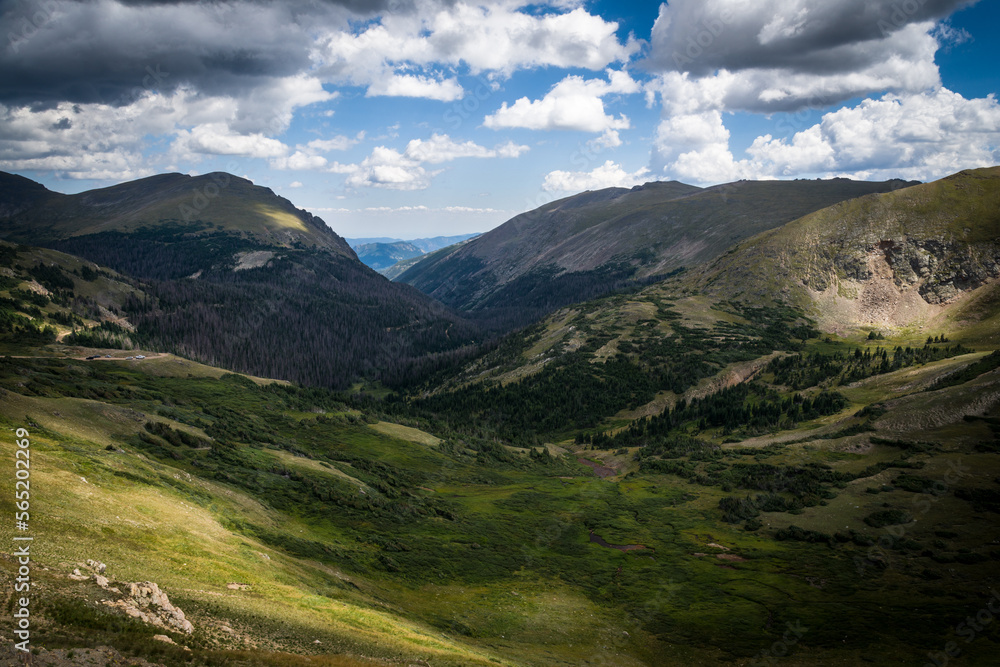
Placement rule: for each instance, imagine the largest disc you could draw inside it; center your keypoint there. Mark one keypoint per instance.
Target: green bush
(889, 517)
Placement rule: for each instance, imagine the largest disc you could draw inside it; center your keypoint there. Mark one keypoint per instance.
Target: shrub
(889, 517)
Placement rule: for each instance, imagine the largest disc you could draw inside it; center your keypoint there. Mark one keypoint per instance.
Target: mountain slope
(916, 263)
(662, 477)
(585, 245)
(45, 295)
(294, 528)
(888, 261)
(437, 242)
(247, 281)
(200, 205)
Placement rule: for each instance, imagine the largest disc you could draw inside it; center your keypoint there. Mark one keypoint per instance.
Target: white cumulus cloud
(496, 37)
(218, 139)
(574, 103)
(411, 85)
(920, 136)
(392, 169)
(337, 143)
(923, 136)
(607, 175)
(299, 161)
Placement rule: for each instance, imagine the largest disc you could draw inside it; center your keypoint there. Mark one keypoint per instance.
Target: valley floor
(293, 528)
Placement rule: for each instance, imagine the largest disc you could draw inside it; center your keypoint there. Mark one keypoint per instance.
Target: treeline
(970, 372)
(105, 335)
(533, 295)
(165, 252)
(576, 391)
(18, 327)
(799, 371)
(750, 407)
(571, 393)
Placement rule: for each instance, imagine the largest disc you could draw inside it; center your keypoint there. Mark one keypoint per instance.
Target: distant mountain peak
(206, 203)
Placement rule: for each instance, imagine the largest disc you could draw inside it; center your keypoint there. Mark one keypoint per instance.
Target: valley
(763, 458)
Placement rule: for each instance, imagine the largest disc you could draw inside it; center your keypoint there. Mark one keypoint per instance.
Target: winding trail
(594, 537)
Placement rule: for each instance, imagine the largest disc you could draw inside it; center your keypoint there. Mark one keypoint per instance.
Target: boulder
(145, 601)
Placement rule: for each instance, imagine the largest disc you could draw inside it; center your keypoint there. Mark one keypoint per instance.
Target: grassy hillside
(587, 245)
(46, 295)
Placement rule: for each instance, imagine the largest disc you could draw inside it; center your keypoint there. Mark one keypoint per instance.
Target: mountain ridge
(381, 256)
(597, 241)
(235, 276)
(561, 501)
(199, 204)
(907, 263)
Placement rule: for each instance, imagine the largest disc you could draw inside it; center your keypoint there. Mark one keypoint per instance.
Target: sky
(414, 118)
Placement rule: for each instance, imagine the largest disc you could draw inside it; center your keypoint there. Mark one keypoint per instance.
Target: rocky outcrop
(943, 270)
(141, 600)
(146, 602)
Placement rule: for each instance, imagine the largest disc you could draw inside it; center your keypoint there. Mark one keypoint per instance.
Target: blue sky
(412, 118)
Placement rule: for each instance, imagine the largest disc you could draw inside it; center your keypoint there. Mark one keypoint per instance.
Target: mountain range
(386, 255)
(425, 245)
(762, 440)
(583, 246)
(233, 273)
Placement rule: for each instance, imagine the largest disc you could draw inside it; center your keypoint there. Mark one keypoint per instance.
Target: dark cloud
(357, 6)
(73, 50)
(822, 37)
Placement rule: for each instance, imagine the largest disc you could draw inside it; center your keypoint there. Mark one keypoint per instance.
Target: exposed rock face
(940, 270)
(944, 270)
(142, 600)
(252, 260)
(145, 601)
(887, 260)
